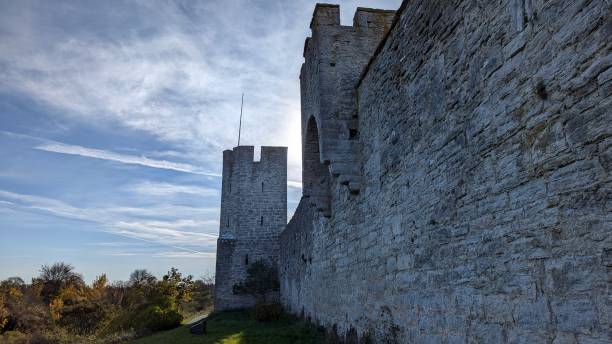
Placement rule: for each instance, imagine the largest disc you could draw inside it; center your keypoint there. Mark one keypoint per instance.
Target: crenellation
(273, 155)
(373, 18)
(244, 156)
(325, 15)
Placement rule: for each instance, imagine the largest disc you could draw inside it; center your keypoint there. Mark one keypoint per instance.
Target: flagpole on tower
(240, 125)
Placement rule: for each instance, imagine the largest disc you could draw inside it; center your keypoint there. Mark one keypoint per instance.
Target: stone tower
(335, 57)
(253, 214)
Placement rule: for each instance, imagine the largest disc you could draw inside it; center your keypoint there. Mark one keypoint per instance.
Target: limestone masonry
(456, 176)
(253, 213)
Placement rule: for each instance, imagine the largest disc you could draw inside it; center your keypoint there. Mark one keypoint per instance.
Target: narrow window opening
(262, 186)
(228, 222)
(261, 221)
(246, 260)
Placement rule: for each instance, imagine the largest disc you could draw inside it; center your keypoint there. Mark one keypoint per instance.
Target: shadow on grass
(237, 327)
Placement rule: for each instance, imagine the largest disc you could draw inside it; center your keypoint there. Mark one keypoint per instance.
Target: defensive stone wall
(253, 214)
(481, 144)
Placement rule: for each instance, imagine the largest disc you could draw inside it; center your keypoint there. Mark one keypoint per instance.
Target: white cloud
(165, 254)
(116, 244)
(180, 84)
(47, 205)
(122, 158)
(177, 211)
(173, 232)
(190, 255)
(294, 184)
(191, 230)
(122, 254)
(167, 189)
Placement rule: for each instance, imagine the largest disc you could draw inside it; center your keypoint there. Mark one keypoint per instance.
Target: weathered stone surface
(481, 141)
(253, 213)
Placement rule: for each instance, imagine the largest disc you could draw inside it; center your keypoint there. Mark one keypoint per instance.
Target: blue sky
(113, 117)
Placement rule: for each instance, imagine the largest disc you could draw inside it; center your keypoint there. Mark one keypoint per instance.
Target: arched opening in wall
(315, 175)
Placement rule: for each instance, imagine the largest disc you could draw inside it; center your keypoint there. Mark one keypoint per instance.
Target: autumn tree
(180, 287)
(141, 277)
(99, 287)
(56, 277)
(4, 313)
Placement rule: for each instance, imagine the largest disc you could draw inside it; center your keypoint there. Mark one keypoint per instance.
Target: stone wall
(484, 211)
(253, 214)
(296, 261)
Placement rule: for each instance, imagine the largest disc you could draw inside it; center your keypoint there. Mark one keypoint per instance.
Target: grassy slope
(239, 328)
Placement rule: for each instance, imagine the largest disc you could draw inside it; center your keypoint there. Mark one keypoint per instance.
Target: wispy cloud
(123, 254)
(193, 234)
(190, 255)
(122, 158)
(171, 70)
(116, 244)
(165, 254)
(294, 184)
(180, 82)
(47, 205)
(175, 232)
(176, 211)
(167, 189)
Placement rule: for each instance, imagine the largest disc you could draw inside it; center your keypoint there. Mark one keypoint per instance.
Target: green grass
(238, 327)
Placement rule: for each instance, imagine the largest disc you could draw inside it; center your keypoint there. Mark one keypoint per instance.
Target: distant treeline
(59, 307)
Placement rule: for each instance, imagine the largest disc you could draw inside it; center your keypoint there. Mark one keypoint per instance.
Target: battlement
(325, 15)
(270, 154)
(245, 155)
(328, 16)
(373, 18)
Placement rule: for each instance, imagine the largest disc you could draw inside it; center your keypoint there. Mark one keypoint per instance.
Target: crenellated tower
(335, 55)
(253, 214)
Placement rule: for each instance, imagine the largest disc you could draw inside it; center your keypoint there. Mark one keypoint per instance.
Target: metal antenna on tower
(240, 125)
